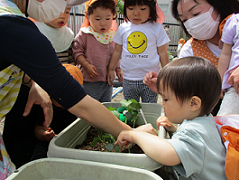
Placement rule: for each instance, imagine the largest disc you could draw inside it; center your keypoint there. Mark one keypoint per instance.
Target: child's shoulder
(233, 19)
(198, 122)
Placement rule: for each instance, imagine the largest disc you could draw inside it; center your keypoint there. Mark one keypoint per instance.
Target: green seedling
(106, 139)
(128, 111)
(131, 111)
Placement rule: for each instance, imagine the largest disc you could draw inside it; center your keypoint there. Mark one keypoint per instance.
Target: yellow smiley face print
(136, 42)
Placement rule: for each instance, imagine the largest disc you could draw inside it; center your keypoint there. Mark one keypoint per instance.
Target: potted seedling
(127, 113)
(63, 145)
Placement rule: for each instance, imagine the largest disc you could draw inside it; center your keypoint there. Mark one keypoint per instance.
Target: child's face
(138, 14)
(174, 110)
(101, 20)
(60, 21)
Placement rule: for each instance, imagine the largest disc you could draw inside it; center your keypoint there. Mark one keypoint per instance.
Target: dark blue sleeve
(22, 44)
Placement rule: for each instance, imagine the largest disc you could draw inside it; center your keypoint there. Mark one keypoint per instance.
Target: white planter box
(59, 169)
(63, 145)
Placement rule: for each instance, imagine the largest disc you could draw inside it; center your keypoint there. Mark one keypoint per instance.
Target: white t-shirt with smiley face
(139, 48)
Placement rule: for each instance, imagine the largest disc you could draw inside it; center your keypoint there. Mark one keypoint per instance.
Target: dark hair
(192, 76)
(106, 4)
(223, 7)
(152, 6)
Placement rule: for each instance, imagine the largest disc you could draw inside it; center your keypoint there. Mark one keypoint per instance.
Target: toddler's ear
(195, 103)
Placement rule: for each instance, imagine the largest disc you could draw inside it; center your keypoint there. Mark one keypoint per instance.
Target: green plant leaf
(116, 113)
(109, 147)
(95, 141)
(134, 118)
(125, 103)
(111, 108)
(117, 148)
(128, 115)
(135, 104)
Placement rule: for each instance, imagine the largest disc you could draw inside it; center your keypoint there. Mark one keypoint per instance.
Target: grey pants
(100, 91)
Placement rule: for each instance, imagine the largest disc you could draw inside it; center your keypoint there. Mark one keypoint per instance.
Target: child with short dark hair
(190, 88)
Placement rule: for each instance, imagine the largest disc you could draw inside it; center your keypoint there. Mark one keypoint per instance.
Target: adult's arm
(94, 113)
(31, 51)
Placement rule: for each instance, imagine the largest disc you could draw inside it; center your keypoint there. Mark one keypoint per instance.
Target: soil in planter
(100, 147)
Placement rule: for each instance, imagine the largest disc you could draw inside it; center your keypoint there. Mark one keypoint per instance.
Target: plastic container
(63, 145)
(59, 169)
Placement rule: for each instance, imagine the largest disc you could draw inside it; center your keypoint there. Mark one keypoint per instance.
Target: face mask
(47, 10)
(203, 26)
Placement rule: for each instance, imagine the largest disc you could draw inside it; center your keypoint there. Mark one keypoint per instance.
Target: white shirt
(139, 53)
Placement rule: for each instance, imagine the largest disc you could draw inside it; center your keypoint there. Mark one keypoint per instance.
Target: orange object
(33, 20)
(229, 130)
(181, 41)
(160, 13)
(75, 72)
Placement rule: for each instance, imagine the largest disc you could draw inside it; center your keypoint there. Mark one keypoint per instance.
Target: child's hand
(148, 128)
(119, 74)
(92, 71)
(163, 121)
(124, 138)
(49, 134)
(150, 80)
(111, 77)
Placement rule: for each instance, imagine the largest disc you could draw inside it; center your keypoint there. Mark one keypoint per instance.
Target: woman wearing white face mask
(201, 20)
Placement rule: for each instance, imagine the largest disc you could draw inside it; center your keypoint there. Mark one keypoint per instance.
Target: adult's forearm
(97, 115)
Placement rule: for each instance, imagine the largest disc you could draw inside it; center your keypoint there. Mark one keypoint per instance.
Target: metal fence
(175, 31)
